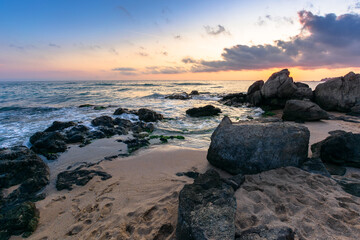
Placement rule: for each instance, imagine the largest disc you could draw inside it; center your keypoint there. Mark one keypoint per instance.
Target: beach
(142, 196)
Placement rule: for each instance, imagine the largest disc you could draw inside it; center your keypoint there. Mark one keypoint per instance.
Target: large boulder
(339, 94)
(48, 143)
(233, 99)
(208, 110)
(58, 126)
(103, 121)
(253, 147)
(279, 85)
(341, 148)
(148, 115)
(206, 209)
(303, 93)
(254, 93)
(301, 110)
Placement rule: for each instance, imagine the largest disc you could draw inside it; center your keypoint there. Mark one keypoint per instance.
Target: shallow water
(27, 107)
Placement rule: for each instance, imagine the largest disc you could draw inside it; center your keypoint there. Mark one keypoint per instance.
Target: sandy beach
(140, 201)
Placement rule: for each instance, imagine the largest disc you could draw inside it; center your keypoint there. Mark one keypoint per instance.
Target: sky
(177, 39)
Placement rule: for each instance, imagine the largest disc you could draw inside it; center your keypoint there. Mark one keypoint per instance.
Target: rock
(18, 219)
(20, 165)
(315, 165)
(253, 147)
(179, 96)
(355, 110)
(164, 232)
(120, 111)
(48, 143)
(341, 148)
(194, 92)
(77, 134)
(103, 121)
(254, 93)
(256, 86)
(302, 93)
(148, 115)
(56, 126)
(123, 123)
(135, 144)
(350, 186)
(279, 85)
(206, 209)
(75, 230)
(86, 105)
(99, 108)
(339, 94)
(301, 110)
(301, 85)
(264, 233)
(208, 110)
(335, 169)
(235, 181)
(79, 176)
(233, 99)
(190, 174)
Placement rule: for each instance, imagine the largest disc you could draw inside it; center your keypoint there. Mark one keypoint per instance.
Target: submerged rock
(208, 110)
(179, 96)
(206, 209)
(301, 110)
(253, 147)
(339, 94)
(148, 115)
(341, 148)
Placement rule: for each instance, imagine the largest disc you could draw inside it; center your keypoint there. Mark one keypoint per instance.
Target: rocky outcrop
(315, 165)
(341, 148)
(194, 93)
(253, 147)
(148, 115)
(120, 111)
(303, 93)
(208, 110)
(339, 94)
(265, 233)
(254, 93)
(301, 110)
(48, 143)
(103, 121)
(234, 99)
(56, 126)
(206, 209)
(27, 174)
(355, 110)
(179, 96)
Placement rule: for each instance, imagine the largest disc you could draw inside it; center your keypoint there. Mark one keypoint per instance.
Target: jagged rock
(135, 144)
(103, 121)
(123, 123)
(194, 92)
(120, 111)
(18, 219)
(56, 126)
(235, 181)
(315, 165)
(341, 148)
(256, 86)
(208, 110)
(301, 110)
(48, 143)
(20, 165)
(264, 233)
(339, 94)
(301, 85)
(179, 96)
(148, 115)
(79, 176)
(303, 93)
(350, 186)
(233, 99)
(355, 110)
(279, 85)
(190, 174)
(77, 134)
(206, 209)
(253, 147)
(254, 93)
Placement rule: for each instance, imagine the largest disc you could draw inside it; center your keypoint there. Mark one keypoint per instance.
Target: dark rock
(235, 181)
(264, 233)
(135, 144)
(120, 111)
(164, 232)
(253, 147)
(79, 176)
(341, 148)
(77, 134)
(190, 174)
(301, 85)
(103, 121)
(279, 85)
(339, 94)
(303, 110)
(19, 219)
(20, 165)
(99, 108)
(97, 135)
(86, 105)
(256, 86)
(302, 93)
(233, 99)
(123, 123)
(57, 126)
(194, 92)
(315, 165)
(48, 143)
(179, 96)
(148, 115)
(350, 186)
(206, 209)
(255, 98)
(355, 110)
(335, 169)
(208, 110)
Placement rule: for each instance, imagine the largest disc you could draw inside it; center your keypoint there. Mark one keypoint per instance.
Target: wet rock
(127, 124)
(86, 105)
(20, 165)
(135, 144)
(103, 121)
(340, 148)
(18, 219)
(77, 134)
(179, 96)
(206, 209)
(301, 110)
(79, 176)
(253, 147)
(234, 99)
(339, 94)
(58, 126)
(148, 115)
(265, 233)
(120, 111)
(48, 143)
(194, 92)
(315, 165)
(208, 110)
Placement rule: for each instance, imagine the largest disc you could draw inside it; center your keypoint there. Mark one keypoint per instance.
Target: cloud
(143, 54)
(178, 37)
(22, 47)
(113, 51)
(214, 31)
(268, 18)
(54, 45)
(189, 60)
(128, 69)
(164, 70)
(125, 11)
(328, 41)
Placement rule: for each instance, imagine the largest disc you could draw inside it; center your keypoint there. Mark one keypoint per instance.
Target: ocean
(28, 107)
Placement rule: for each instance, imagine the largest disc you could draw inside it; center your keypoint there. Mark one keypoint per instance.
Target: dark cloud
(54, 45)
(325, 41)
(214, 31)
(128, 69)
(189, 60)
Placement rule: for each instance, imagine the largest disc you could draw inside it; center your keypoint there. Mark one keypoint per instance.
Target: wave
(28, 109)
(123, 89)
(191, 84)
(155, 95)
(143, 85)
